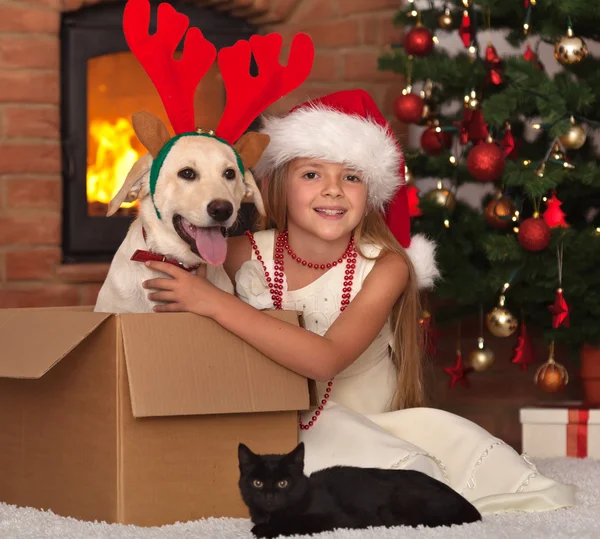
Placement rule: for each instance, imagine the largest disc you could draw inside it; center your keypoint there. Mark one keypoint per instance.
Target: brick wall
(348, 35)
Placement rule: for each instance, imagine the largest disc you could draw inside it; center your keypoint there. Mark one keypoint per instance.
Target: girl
(331, 167)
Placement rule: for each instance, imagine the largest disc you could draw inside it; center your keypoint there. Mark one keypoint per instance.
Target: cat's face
(271, 483)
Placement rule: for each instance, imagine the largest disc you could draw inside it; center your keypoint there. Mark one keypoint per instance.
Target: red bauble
(486, 162)
(534, 234)
(409, 108)
(434, 143)
(418, 41)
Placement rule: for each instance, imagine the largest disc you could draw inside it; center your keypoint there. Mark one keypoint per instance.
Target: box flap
(184, 364)
(34, 340)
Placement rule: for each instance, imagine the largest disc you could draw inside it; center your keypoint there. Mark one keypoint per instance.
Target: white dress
(357, 427)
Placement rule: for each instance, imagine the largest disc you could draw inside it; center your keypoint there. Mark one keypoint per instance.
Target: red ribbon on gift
(577, 433)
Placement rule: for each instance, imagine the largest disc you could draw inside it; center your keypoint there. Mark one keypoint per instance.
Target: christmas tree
(530, 255)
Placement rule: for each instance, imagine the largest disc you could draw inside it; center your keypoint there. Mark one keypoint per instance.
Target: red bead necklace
(275, 284)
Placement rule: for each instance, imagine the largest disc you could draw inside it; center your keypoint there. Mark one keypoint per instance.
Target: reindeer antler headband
(176, 80)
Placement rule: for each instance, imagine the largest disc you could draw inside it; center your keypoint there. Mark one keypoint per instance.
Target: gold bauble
(442, 196)
(574, 138)
(551, 376)
(570, 49)
(500, 321)
(499, 212)
(482, 358)
(408, 176)
(445, 20)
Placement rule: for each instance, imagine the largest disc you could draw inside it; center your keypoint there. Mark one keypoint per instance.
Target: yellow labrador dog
(184, 213)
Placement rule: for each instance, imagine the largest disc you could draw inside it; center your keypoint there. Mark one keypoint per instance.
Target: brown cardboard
(135, 418)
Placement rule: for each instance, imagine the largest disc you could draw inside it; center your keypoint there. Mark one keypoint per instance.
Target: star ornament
(523, 352)
(459, 372)
(560, 311)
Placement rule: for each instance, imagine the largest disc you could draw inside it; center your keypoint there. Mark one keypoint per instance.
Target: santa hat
(347, 127)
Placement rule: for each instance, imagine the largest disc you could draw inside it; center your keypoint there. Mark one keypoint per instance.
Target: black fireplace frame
(96, 31)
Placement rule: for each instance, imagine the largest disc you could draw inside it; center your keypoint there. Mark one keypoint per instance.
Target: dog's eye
(282, 484)
(257, 484)
(187, 174)
(229, 174)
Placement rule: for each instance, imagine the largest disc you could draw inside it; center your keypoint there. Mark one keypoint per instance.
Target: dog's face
(198, 193)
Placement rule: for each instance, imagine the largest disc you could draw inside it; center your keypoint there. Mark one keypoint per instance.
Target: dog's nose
(220, 210)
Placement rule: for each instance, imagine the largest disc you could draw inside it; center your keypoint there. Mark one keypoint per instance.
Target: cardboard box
(135, 418)
(569, 429)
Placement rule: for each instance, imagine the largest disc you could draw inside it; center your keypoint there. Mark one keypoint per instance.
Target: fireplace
(102, 84)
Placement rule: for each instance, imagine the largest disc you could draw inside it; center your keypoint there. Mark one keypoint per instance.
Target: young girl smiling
(338, 249)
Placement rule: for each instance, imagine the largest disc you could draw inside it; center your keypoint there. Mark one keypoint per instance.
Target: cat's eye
(283, 483)
(187, 174)
(257, 483)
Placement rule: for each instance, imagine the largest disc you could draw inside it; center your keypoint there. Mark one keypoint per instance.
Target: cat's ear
(296, 457)
(245, 456)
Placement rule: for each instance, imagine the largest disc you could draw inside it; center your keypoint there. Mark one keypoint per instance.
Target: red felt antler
(175, 80)
(248, 96)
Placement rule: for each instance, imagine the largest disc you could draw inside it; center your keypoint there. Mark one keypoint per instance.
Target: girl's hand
(183, 291)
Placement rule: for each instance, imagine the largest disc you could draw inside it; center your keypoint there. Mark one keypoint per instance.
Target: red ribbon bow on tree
(494, 65)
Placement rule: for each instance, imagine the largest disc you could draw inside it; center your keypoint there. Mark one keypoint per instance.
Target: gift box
(569, 429)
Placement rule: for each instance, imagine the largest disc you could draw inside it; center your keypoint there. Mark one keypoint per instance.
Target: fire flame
(114, 159)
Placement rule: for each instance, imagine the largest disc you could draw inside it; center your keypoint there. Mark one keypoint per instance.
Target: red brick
(363, 6)
(31, 265)
(388, 33)
(19, 18)
(370, 29)
(89, 294)
(314, 10)
(53, 4)
(362, 66)
(2, 268)
(253, 8)
(337, 33)
(34, 193)
(32, 121)
(82, 273)
(28, 87)
(29, 52)
(40, 296)
(325, 67)
(283, 9)
(30, 230)
(26, 158)
(72, 5)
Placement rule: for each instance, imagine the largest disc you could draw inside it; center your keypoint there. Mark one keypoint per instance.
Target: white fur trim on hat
(422, 254)
(325, 133)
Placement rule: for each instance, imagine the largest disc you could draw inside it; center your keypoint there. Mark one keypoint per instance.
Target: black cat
(284, 501)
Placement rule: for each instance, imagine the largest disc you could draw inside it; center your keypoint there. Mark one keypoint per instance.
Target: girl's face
(324, 198)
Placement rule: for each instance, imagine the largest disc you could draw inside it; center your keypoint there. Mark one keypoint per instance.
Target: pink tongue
(211, 245)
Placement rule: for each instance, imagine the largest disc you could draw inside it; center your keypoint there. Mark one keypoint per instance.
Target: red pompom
(434, 143)
(409, 108)
(534, 234)
(418, 41)
(486, 162)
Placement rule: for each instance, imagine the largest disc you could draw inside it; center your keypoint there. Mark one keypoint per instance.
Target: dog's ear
(133, 187)
(251, 146)
(150, 131)
(253, 193)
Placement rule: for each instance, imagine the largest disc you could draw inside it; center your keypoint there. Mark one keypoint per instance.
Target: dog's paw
(264, 530)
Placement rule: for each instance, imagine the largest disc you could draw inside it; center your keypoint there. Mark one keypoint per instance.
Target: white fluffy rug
(582, 521)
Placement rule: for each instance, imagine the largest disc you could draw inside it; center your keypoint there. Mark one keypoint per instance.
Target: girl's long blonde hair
(404, 318)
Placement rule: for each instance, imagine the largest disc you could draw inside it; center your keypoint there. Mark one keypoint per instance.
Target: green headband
(162, 155)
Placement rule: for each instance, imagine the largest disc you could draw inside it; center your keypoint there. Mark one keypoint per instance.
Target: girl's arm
(300, 350)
